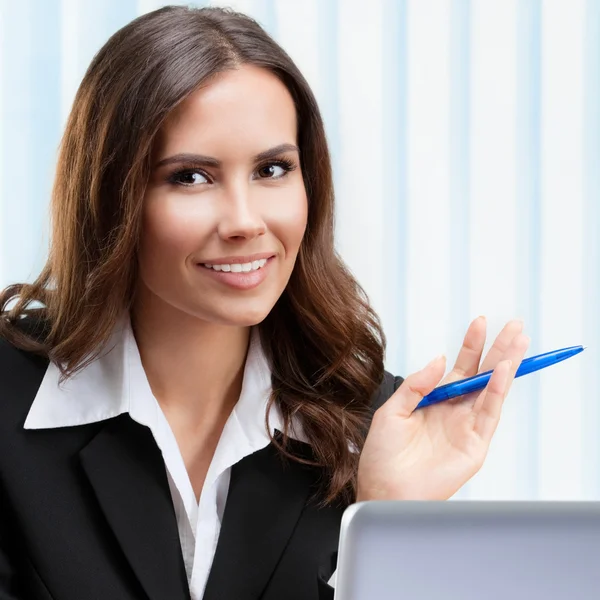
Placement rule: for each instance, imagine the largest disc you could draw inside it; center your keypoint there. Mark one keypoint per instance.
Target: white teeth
(239, 267)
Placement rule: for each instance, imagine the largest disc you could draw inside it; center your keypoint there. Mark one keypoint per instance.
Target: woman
(201, 392)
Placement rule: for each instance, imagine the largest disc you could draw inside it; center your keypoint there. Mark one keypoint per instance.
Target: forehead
(243, 110)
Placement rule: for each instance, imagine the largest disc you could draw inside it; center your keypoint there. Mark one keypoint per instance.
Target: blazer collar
(266, 498)
(127, 473)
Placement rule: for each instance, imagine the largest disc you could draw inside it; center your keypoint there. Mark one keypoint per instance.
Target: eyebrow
(210, 161)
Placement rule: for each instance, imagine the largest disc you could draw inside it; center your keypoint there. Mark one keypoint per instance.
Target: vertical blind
(465, 138)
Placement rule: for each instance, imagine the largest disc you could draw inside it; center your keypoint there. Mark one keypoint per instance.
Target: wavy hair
(323, 341)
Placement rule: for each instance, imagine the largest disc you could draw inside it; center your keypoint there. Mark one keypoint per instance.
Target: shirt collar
(115, 383)
(97, 392)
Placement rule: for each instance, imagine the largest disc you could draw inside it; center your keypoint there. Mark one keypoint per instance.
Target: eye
(276, 169)
(188, 177)
(271, 172)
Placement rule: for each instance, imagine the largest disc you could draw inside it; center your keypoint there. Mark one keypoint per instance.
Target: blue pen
(478, 382)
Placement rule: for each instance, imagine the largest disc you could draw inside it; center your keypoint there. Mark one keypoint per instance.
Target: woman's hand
(428, 454)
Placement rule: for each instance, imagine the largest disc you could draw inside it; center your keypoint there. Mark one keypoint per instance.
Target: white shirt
(116, 383)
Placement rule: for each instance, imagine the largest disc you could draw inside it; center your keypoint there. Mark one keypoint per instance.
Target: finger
(405, 399)
(515, 352)
(467, 362)
(501, 344)
(489, 405)
(488, 416)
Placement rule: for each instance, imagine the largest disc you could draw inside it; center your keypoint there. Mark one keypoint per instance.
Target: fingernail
(436, 359)
(482, 317)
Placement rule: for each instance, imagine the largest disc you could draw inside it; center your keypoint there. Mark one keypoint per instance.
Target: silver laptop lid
(467, 550)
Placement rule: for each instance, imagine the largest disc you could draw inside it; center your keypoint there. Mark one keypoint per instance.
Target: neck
(195, 368)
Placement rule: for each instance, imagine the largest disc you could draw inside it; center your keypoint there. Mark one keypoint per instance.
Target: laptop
(469, 550)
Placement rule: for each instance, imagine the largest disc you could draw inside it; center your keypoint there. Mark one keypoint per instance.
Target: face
(226, 208)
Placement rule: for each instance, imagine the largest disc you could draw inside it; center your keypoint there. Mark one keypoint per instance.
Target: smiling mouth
(239, 275)
(247, 267)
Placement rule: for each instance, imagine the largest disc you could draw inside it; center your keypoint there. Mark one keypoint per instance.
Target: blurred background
(465, 137)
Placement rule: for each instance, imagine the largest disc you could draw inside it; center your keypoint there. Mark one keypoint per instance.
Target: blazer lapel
(127, 472)
(265, 499)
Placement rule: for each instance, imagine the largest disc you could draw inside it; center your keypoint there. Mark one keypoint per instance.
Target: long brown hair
(323, 341)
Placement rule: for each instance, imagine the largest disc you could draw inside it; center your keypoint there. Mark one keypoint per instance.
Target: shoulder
(387, 387)
(21, 374)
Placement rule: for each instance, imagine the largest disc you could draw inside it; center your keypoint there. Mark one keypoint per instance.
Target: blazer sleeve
(8, 570)
(19, 580)
(389, 385)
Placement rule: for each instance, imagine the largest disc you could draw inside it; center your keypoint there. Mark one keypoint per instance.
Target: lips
(229, 260)
(239, 267)
(241, 280)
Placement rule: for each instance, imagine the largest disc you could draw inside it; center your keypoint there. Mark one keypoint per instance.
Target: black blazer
(86, 512)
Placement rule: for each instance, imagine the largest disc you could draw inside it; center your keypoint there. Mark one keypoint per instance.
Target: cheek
(170, 231)
(288, 221)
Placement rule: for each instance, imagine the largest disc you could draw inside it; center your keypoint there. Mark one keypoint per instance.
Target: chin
(240, 311)
(244, 317)
(244, 320)
(251, 320)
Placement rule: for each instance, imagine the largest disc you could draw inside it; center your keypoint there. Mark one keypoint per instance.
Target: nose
(241, 218)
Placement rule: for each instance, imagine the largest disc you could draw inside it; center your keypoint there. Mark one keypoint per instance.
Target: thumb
(406, 398)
